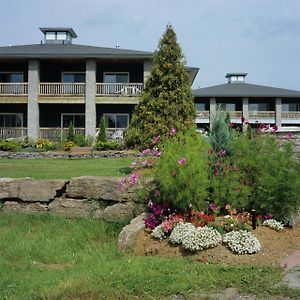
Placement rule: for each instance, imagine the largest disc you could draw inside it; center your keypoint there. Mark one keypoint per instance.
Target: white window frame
(69, 114)
(50, 35)
(117, 114)
(14, 114)
(112, 73)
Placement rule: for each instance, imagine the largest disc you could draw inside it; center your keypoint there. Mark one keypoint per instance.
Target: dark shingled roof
(69, 51)
(244, 90)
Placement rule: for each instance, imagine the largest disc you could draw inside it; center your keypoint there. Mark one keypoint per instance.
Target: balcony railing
(62, 89)
(235, 114)
(202, 114)
(291, 115)
(57, 133)
(115, 133)
(261, 114)
(13, 88)
(12, 132)
(119, 89)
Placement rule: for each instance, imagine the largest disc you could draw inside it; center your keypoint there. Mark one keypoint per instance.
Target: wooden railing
(235, 114)
(13, 88)
(121, 89)
(261, 114)
(202, 114)
(57, 133)
(12, 132)
(290, 115)
(62, 88)
(115, 133)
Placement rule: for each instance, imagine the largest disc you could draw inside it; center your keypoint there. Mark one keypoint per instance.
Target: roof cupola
(58, 35)
(236, 77)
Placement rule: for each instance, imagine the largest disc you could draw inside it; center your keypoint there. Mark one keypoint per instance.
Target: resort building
(251, 102)
(46, 86)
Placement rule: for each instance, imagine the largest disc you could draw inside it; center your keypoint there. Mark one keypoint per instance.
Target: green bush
(110, 145)
(44, 145)
(79, 140)
(71, 133)
(182, 171)
(271, 172)
(9, 145)
(102, 131)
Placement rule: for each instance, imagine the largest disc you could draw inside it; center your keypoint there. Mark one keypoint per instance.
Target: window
(11, 120)
(77, 120)
(116, 77)
(228, 106)
(116, 120)
(73, 77)
(290, 107)
(9, 77)
(61, 35)
(259, 106)
(200, 106)
(50, 35)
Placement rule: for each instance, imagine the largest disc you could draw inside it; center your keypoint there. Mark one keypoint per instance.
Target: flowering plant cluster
(180, 231)
(44, 144)
(201, 238)
(273, 224)
(68, 145)
(158, 233)
(200, 219)
(242, 242)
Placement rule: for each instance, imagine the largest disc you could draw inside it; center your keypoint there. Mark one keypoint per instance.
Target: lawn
(63, 168)
(44, 256)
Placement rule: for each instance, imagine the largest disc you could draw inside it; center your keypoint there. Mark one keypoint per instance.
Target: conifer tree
(166, 101)
(102, 137)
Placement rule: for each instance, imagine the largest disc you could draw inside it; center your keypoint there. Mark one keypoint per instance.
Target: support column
(278, 110)
(147, 69)
(90, 98)
(33, 113)
(245, 113)
(212, 108)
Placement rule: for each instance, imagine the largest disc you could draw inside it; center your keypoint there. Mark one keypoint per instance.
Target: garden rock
(31, 190)
(14, 206)
(103, 188)
(118, 212)
(71, 207)
(129, 233)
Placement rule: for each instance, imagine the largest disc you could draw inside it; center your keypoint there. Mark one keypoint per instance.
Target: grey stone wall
(86, 196)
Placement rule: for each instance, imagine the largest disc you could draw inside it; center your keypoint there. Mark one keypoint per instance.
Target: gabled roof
(69, 51)
(244, 90)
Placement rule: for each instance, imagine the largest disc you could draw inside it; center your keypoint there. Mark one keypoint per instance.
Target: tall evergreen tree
(166, 101)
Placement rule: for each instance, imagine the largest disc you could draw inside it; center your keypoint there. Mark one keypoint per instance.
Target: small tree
(71, 133)
(166, 102)
(102, 131)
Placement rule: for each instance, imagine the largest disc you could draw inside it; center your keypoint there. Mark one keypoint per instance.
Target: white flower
(242, 242)
(201, 238)
(180, 231)
(158, 233)
(273, 224)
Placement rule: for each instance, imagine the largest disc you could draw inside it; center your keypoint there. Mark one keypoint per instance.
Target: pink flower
(227, 207)
(216, 172)
(156, 193)
(182, 161)
(201, 214)
(134, 178)
(155, 152)
(173, 131)
(234, 211)
(289, 135)
(155, 140)
(166, 226)
(238, 190)
(147, 151)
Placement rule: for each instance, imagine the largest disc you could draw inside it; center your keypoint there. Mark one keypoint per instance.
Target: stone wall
(85, 196)
(293, 136)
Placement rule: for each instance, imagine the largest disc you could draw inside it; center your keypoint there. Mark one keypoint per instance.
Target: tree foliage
(102, 131)
(166, 102)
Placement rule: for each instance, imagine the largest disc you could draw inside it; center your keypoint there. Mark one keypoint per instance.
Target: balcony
(119, 89)
(12, 132)
(290, 117)
(54, 89)
(7, 89)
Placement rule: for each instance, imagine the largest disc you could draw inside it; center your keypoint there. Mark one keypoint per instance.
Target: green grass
(44, 256)
(63, 168)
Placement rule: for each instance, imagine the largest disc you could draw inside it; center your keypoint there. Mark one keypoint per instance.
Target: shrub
(182, 171)
(273, 224)
(271, 173)
(201, 238)
(9, 145)
(110, 145)
(71, 133)
(44, 145)
(158, 233)
(68, 145)
(242, 242)
(79, 140)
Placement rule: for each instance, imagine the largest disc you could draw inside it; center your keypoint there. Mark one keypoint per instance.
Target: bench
(81, 151)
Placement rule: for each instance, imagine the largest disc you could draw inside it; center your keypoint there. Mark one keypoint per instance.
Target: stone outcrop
(129, 234)
(86, 196)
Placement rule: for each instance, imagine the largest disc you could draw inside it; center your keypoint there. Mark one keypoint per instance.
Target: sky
(259, 37)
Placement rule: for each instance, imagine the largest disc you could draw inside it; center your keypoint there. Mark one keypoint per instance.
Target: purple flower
(147, 151)
(155, 140)
(289, 135)
(213, 206)
(268, 217)
(173, 131)
(182, 161)
(134, 178)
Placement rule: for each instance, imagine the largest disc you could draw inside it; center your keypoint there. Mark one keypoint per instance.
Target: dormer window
(58, 35)
(236, 77)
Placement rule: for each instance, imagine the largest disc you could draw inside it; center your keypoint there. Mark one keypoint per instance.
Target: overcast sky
(260, 37)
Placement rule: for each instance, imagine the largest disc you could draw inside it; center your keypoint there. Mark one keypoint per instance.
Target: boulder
(14, 206)
(103, 188)
(129, 233)
(31, 190)
(118, 212)
(71, 207)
